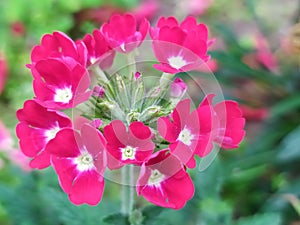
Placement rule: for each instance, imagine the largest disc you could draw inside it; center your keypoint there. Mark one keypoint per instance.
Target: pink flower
(60, 87)
(264, 54)
(79, 161)
(146, 9)
(123, 34)
(127, 147)
(196, 7)
(178, 88)
(59, 45)
(163, 181)
(6, 141)
(3, 72)
(37, 127)
(98, 50)
(229, 129)
(19, 159)
(179, 47)
(188, 133)
(257, 114)
(18, 29)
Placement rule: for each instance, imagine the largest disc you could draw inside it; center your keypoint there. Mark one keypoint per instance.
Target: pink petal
(139, 130)
(167, 129)
(87, 188)
(66, 143)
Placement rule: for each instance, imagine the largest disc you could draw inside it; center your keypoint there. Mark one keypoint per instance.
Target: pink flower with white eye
(229, 129)
(185, 132)
(98, 50)
(3, 72)
(37, 127)
(123, 33)
(59, 45)
(179, 47)
(80, 161)
(127, 147)
(58, 86)
(163, 181)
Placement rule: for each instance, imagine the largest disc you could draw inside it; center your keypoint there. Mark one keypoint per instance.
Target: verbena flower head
(130, 120)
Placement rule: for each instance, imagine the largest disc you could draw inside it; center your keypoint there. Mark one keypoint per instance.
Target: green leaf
(262, 219)
(150, 214)
(285, 106)
(117, 219)
(288, 149)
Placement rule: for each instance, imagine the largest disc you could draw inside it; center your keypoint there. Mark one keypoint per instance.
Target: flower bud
(150, 113)
(98, 91)
(178, 88)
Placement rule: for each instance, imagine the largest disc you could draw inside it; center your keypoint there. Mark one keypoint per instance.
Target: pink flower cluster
(62, 71)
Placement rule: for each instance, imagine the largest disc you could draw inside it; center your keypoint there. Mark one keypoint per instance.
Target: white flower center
(85, 161)
(51, 133)
(185, 136)
(63, 95)
(177, 62)
(128, 153)
(155, 178)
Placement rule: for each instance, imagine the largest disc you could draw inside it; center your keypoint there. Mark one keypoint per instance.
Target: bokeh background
(256, 60)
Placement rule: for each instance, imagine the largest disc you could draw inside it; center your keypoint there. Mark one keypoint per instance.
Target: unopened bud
(150, 113)
(98, 91)
(177, 88)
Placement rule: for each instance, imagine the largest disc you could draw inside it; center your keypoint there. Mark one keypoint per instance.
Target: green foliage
(262, 219)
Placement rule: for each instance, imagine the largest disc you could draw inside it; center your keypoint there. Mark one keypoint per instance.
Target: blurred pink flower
(3, 71)
(251, 113)
(264, 55)
(6, 141)
(209, 67)
(18, 29)
(19, 159)
(146, 9)
(196, 7)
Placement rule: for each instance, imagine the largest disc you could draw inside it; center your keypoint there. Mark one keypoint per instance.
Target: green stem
(100, 74)
(127, 190)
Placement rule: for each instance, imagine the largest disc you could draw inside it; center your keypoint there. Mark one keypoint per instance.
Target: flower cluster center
(63, 95)
(128, 153)
(185, 136)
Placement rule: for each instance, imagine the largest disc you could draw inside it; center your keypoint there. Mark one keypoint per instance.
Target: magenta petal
(139, 130)
(167, 129)
(66, 171)
(170, 22)
(41, 161)
(87, 188)
(115, 133)
(181, 112)
(66, 143)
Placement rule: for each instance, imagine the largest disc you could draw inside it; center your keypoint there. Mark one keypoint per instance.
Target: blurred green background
(256, 59)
